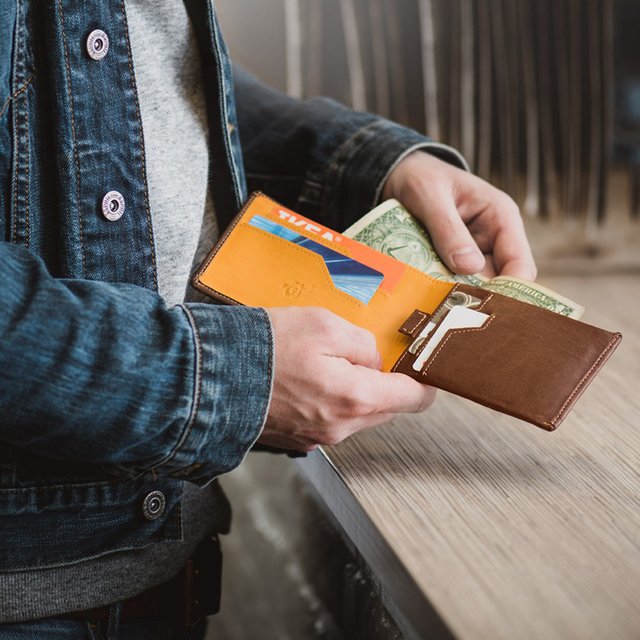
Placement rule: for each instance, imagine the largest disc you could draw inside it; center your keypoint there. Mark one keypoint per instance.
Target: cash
(392, 230)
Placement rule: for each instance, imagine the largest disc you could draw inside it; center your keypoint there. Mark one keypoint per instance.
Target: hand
(327, 382)
(475, 227)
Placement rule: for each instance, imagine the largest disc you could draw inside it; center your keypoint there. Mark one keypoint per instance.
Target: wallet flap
(523, 360)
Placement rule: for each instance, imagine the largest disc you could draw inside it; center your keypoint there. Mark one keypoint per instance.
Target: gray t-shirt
(168, 77)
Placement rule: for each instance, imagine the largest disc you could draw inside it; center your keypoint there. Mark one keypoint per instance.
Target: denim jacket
(107, 396)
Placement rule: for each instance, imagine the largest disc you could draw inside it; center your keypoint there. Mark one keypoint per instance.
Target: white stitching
(615, 340)
(452, 333)
(420, 320)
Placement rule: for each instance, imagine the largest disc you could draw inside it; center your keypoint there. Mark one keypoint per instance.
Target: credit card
(391, 268)
(459, 317)
(350, 276)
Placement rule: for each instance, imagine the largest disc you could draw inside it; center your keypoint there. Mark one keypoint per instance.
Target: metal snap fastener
(154, 505)
(113, 206)
(97, 44)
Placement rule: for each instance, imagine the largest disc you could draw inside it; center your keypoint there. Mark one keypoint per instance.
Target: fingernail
(379, 363)
(468, 259)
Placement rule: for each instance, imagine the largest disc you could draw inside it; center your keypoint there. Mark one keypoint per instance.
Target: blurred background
(541, 96)
(543, 99)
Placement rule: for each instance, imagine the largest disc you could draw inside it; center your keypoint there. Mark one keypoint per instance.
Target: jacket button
(113, 206)
(97, 44)
(153, 505)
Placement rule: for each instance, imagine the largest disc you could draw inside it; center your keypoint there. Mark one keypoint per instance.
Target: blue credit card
(354, 278)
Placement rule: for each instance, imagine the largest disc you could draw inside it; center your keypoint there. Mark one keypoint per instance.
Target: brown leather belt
(184, 600)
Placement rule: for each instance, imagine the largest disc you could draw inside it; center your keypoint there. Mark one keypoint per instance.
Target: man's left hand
(475, 227)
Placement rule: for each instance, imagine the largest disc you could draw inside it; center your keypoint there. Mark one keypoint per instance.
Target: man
(120, 403)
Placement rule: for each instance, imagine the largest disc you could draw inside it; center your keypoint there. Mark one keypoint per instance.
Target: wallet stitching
(580, 384)
(406, 354)
(419, 321)
(325, 273)
(453, 332)
(484, 303)
(217, 293)
(259, 195)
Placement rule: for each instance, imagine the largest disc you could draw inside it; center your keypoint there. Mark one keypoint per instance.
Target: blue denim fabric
(105, 393)
(113, 629)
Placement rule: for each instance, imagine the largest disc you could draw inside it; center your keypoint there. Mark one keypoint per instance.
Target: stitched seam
(485, 301)
(453, 333)
(142, 151)
(217, 293)
(419, 321)
(26, 190)
(101, 484)
(14, 221)
(325, 274)
(584, 379)
(197, 384)
(222, 102)
(429, 281)
(16, 127)
(20, 185)
(402, 358)
(73, 134)
(14, 95)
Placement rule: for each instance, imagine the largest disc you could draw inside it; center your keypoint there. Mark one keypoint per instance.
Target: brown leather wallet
(523, 361)
(519, 359)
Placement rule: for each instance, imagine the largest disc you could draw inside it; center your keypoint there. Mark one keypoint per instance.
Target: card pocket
(253, 267)
(524, 361)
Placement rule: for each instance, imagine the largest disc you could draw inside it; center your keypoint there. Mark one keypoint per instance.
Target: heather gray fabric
(168, 76)
(169, 80)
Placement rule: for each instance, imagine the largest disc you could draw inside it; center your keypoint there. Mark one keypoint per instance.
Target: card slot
(310, 255)
(445, 339)
(261, 269)
(253, 267)
(524, 361)
(408, 358)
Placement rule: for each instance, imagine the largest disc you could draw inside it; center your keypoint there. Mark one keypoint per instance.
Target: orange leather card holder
(523, 361)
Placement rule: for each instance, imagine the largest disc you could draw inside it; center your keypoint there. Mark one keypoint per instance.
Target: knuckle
(355, 403)
(324, 416)
(367, 342)
(333, 436)
(509, 205)
(323, 321)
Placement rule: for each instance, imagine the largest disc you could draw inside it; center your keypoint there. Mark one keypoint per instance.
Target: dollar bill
(392, 230)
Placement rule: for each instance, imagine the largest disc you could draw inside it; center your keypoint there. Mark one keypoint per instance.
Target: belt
(184, 600)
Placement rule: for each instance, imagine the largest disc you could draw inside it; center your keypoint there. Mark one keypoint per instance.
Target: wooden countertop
(481, 526)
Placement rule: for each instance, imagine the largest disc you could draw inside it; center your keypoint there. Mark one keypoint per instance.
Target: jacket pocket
(46, 527)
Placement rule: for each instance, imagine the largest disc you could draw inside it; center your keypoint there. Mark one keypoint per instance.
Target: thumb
(451, 238)
(356, 345)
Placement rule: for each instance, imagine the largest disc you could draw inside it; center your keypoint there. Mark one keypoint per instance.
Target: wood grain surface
(508, 531)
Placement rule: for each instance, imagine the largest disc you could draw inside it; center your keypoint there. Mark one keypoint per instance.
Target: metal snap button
(113, 206)
(154, 505)
(97, 44)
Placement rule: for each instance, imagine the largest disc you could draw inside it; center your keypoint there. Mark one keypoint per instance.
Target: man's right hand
(328, 383)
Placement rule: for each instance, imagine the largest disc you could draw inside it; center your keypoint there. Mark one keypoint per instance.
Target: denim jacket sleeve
(107, 374)
(319, 157)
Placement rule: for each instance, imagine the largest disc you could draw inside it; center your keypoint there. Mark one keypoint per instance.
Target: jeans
(114, 629)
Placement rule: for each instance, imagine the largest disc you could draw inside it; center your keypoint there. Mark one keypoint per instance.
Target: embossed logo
(295, 289)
